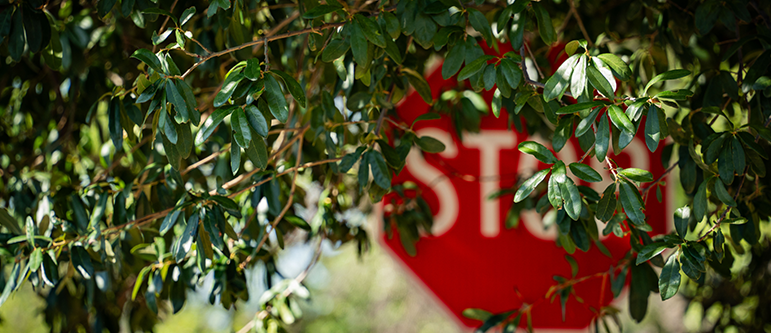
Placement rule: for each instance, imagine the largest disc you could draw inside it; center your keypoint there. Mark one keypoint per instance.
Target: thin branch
(725, 212)
(324, 26)
(666, 172)
(205, 160)
(580, 23)
(166, 21)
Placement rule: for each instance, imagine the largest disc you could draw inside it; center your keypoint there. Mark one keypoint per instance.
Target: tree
(139, 138)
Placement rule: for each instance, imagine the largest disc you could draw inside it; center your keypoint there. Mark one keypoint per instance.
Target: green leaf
(599, 82)
(148, 58)
(585, 124)
(169, 221)
(606, 207)
(371, 30)
(738, 156)
(35, 259)
(426, 116)
(253, 71)
(722, 194)
(99, 209)
(114, 123)
(700, 202)
(538, 151)
(632, 202)
(578, 77)
(363, 175)
(186, 15)
(298, 93)
(420, 84)
(669, 280)
(187, 94)
(6, 220)
(235, 156)
(240, 125)
(5, 23)
(359, 43)
(682, 217)
(636, 174)
(393, 51)
(477, 314)
(178, 101)
(350, 159)
(678, 95)
(16, 40)
(670, 75)
(50, 273)
(619, 67)
(211, 124)
(479, 23)
(652, 128)
(81, 260)
(497, 103)
(335, 49)
(620, 119)
(185, 241)
(11, 284)
(530, 184)
(573, 203)
(579, 107)
(167, 126)
(429, 145)
(562, 133)
(474, 67)
(585, 172)
(276, 101)
(511, 71)
(545, 27)
(649, 251)
(602, 139)
(380, 171)
(138, 282)
(320, 11)
(228, 87)
(558, 83)
(105, 6)
(257, 120)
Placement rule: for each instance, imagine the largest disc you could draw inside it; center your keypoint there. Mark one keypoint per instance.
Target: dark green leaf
(700, 202)
(585, 172)
(619, 67)
(474, 67)
(148, 58)
(578, 77)
(185, 241)
(335, 49)
(174, 96)
(420, 84)
(632, 202)
(530, 184)
(426, 116)
(480, 24)
(320, 10)
(579, 107)
(16, 40)
(723, 195)
(371, 30)
(228, 87)
(670, 75)
(169, 221)
(620, 119)
(380, 171)
(6, 220)
(114, 123)
(606, 207)
(211, 124)
(558, 83)
(276, 101)
(511, 71)
(538, 151)
(545, 27)
(258, 152)
(599, 82)
(81, 260)
(298, 93)
(257, 120)
(649, 251)
(602, 139)
(669, 281)
(652, 129)
(429, 145)
(636, 174)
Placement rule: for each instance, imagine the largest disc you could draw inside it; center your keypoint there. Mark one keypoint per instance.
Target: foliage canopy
(146, 144)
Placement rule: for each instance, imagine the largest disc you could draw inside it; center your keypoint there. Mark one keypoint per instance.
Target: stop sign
(471, 260)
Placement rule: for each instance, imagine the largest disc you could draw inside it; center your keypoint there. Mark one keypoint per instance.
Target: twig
(163, 26)
(535, 63)
(666, 172)
(117, 161)
(725, 212)
(205, 160)
(260, 42)
(580, 23)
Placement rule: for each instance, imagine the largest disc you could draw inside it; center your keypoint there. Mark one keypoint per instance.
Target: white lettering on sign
(490, 143)
(442, 186)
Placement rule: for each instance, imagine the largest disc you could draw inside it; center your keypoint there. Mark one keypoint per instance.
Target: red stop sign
(472, 260)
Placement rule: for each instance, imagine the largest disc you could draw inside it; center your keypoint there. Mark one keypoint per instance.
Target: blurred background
(348, 294)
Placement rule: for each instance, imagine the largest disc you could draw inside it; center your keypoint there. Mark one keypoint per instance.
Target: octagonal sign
(472, 260)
